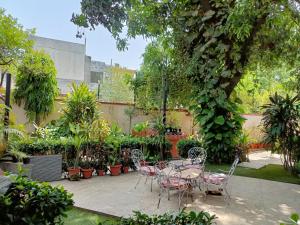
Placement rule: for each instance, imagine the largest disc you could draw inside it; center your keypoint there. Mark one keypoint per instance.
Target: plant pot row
(75, 173)
(258, 145)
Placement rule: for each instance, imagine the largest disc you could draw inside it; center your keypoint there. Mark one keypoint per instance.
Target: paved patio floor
(260, 159)
(254, 201)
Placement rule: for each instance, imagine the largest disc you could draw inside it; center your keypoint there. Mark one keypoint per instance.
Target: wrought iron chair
(219, 181)
(197, 156)
(171, 180)
(142, 166)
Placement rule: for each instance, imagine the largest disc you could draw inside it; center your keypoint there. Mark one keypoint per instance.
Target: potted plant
(74, 170)
(100, 167)
(86, 168)
(114, 164)
(125, 161)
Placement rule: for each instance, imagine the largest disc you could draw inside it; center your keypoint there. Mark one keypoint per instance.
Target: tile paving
(254, 201)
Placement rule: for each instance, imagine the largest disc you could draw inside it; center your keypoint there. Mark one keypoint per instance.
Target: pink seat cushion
(174, 183)
(148, 170)
(217, 178)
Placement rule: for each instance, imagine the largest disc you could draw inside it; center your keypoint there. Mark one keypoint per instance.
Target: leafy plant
(182, 218)
(281, 122)
(78, 139)
(29, 202)
(185, 145)
(139, 127)
(99, 130)
(130, 112)
(294, 220)
(81, 105)
(36, 85)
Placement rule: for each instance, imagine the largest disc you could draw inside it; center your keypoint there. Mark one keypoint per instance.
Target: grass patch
(269, 172)
(83, 217)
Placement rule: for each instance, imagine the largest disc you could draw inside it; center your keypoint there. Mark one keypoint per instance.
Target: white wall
(69, 58)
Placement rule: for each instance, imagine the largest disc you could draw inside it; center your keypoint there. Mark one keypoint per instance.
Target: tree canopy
(214, 42)
(36, 85)
(14, 40)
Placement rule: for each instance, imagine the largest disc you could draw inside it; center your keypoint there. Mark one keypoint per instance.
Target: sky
(51, 18)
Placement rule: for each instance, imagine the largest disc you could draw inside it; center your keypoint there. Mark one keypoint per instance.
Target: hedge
(49, 146)
(184, 146)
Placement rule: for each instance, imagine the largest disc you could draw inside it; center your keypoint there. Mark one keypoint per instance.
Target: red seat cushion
(148, 170)
(215, 178)
(174, 183)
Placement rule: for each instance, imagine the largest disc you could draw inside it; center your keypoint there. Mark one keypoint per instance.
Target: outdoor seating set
(183, 175)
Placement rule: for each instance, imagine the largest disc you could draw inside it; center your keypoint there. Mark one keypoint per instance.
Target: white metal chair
(172, 181)
(197, 155)
(142, 166)
(219, 181)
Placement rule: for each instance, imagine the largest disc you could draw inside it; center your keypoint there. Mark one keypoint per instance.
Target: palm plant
(281, 123)
(9, 148)
(81, 105)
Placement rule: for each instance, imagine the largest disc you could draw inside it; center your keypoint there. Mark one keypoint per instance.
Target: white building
(72, 63)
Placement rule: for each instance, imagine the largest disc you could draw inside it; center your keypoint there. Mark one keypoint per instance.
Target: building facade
(72, 63)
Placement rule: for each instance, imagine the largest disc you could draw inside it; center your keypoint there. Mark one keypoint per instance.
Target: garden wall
(115, 112)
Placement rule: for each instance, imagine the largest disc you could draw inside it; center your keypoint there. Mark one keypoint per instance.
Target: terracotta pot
(87, 173)
(74, 173)
(125, 169)
(115, 170)
(100, 173)
(144, 163)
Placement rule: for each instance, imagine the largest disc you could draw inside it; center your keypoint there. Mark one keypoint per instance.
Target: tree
(14, 40)
(116, 87)
(214, 42)
(158, 75)
(36, 85)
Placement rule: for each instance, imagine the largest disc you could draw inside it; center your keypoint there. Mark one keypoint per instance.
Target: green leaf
(220, 120)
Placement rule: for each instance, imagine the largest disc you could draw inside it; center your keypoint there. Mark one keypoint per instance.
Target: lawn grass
(269, 172)
(83, 217)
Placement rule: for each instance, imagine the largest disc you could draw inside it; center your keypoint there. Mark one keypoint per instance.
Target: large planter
(125, 169)
(100, 173)
(115, 170)
(14, 168)
(174, 138)
(74, 173)
(87, 173)
(46, 167)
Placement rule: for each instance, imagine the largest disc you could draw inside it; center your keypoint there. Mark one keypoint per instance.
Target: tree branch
(244, 55)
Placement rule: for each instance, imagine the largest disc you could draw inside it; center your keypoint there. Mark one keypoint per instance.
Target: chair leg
(159, 197)
(140, 177)
(180, 195)
(151, 183)
(146, 180)
(169, 194)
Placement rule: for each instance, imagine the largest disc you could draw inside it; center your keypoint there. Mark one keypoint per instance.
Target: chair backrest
(197, 155)
(137, 156)
(233, 166)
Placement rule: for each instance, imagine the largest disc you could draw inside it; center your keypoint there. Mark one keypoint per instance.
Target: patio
(254, 201)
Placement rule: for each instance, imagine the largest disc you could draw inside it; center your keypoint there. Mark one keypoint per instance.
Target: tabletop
(189, 174)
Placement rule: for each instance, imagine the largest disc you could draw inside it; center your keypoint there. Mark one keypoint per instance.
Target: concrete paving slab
(260, 159)
(254, 201)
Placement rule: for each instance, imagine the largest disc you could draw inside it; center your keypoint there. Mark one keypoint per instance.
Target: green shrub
(182, 218)
(30, 202)
(149, 144)
(184, 146)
